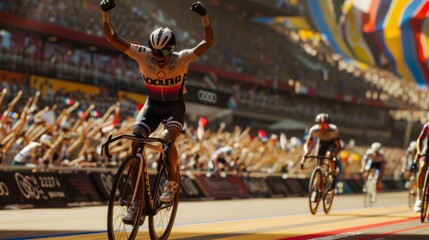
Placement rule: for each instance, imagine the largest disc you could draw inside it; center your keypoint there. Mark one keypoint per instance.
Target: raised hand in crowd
(3, 95)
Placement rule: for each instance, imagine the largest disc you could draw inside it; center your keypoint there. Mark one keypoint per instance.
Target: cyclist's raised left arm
(209, 40)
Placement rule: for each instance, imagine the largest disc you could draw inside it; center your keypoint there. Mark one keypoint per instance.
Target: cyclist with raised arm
(372, 159)
(328, 142)
(164, 73)
(422, 149)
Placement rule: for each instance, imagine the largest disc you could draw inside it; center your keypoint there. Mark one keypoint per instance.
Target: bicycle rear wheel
(121, 200)
(328, 197)
(425, 198)
(315, 190)
(162, 220)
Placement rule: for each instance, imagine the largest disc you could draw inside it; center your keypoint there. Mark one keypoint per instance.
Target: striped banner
(390, 33)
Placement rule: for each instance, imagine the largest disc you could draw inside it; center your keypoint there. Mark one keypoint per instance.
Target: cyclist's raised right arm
(209, 39)
(110, 34)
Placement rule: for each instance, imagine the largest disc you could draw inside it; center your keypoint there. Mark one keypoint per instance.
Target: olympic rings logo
(27, 186)
(206, 96)
(4, 190)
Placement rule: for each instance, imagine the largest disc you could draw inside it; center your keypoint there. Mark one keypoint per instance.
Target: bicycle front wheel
(315, 190)
(425, 198)
(328, 197)
(121, 201)
(162, 220)
(371, 192)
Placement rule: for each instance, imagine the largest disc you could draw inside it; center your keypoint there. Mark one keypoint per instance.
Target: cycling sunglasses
(161, 52)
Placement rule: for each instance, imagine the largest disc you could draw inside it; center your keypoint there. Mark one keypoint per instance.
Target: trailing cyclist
(164, 73)
(407, 162)
(328, 142)
(372, 159)
(422, 149)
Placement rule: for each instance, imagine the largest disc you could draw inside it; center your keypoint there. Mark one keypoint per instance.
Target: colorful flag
(262, 135)
(68, 101)
(202, 121)
(95, 113)
(14, 115)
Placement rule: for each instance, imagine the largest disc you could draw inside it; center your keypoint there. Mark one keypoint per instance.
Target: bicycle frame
(319, 163)
(142, 199)
(143, 142)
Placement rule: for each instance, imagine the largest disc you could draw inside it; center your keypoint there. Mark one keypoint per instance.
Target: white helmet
(162, 38)
(376, 146)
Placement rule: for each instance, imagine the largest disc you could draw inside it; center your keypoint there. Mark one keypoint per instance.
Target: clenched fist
(199, 8)
(107, 5)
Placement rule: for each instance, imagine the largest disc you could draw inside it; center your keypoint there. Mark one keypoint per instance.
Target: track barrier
(60, 189)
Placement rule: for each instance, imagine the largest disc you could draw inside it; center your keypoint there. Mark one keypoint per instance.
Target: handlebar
(315, 157)
(111, 139)
(319, 157)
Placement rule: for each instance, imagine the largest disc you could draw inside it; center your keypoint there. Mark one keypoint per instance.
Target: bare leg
(421, 177)
(170, 135)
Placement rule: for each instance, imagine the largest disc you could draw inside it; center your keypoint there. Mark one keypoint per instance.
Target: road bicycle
(131, 188)
(321, 185)
(370, 193)
(425, 192)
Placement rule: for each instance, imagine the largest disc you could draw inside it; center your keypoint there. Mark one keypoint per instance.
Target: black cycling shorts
(370, 165)
(324, 146)
(154, 112)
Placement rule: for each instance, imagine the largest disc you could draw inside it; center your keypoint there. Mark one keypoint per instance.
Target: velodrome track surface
(280, 218)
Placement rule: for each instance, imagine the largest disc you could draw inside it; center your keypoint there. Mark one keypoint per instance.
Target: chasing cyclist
(422, 149)
(408, 160)
(408, 167)
(164, 73)
(372, 159)
(328, 141)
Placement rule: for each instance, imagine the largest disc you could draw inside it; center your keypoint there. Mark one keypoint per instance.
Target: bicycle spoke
(328, 197)
(161, 223)
(121, 200)
(315, 190)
